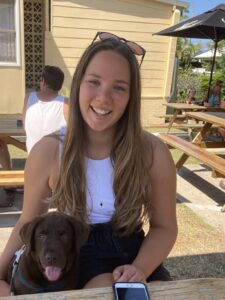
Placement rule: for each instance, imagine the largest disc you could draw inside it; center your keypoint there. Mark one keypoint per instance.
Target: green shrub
(185, 80)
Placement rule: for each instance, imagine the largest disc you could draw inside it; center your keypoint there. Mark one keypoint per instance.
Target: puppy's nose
(50, 258)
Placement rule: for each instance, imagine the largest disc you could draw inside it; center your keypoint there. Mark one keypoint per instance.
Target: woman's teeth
(100, 111)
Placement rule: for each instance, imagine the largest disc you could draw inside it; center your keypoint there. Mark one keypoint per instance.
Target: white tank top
(100, 194)
(42, 118)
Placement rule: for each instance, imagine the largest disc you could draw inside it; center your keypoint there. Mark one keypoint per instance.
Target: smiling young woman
(110, 174)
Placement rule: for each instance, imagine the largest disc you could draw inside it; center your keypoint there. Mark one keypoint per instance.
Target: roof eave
(180, 4)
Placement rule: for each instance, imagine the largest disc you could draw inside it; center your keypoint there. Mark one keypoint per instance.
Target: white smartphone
(130, 291)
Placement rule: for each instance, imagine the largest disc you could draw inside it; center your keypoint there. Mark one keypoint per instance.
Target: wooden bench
(169, 116)
(176, 125)
(216, 163)
(11, 177)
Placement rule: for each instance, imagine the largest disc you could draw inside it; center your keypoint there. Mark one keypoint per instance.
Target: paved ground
(195, 187)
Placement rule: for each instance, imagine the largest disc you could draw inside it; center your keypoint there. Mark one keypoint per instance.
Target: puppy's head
(53, 241)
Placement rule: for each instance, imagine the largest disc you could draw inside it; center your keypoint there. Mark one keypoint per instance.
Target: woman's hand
(128, 273)
(4, 288)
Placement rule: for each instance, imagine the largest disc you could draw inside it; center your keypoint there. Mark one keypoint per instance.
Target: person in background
(221, 130)
(215, 94)
(190, 97)
(45, 111)
(110, 175)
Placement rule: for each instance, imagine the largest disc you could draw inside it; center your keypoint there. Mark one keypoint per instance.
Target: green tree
(185, 52)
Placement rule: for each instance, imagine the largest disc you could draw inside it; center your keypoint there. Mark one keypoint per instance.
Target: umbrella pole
(212, 67)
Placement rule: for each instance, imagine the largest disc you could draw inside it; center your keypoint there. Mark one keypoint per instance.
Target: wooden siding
(75, 23)
(12, 83)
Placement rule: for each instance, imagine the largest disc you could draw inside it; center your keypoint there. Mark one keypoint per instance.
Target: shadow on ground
(196, 266)
(201, 184)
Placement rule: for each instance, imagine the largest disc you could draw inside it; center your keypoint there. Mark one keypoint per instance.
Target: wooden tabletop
(216, 118)
(9, 127)
(190, 289)
(185, 106)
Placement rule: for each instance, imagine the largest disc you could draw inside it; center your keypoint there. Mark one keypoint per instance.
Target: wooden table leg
(197, 140)
(181, 160)
(199, 137)
(14, 142)
(172, 120)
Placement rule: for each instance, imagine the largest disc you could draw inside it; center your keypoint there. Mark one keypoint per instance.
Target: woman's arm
(66, 108)
(24, 109)
(163, 232)
(39, 175)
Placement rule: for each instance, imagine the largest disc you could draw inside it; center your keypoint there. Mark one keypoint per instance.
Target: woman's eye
(119, 88)
(94, 82)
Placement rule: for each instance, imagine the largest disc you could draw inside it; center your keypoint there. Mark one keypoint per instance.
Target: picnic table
(190, 289)
(11, 130)
(179, 107)
(209, 119)
(198, 147)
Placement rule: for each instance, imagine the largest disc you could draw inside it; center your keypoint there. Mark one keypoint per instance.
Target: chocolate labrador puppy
(50, 261)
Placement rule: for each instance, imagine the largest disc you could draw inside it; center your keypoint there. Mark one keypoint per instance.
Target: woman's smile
(100, 112)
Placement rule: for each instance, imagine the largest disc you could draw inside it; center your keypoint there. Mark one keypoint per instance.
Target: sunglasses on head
(134, 47)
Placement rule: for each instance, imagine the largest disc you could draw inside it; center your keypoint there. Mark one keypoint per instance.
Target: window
(9, 32)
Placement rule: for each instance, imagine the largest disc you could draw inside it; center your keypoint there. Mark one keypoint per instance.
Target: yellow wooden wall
(12, 83)
(75, 23)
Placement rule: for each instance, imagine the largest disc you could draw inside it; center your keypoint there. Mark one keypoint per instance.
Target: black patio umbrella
(208, 25)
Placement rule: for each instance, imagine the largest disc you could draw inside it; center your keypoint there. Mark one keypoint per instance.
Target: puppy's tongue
(52, 273)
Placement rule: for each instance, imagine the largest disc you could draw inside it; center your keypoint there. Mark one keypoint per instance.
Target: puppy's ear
(27, 233)
(81, 232)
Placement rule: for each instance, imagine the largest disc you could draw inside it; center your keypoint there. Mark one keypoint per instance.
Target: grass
(199, 250)
(18, 157)
(190, 240)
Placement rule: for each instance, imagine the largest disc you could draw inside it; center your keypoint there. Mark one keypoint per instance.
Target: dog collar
(18, 255)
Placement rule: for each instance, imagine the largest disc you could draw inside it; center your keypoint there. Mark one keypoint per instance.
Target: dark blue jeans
(104, 251)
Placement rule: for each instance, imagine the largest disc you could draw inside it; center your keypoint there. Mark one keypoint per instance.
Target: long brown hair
(131, 154)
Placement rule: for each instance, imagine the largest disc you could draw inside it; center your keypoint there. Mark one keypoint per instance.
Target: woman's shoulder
(159, 151)
(47, 148)
(152, 140)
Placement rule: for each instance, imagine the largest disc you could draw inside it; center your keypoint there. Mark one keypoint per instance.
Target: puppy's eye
(61, 233)
(42, 235)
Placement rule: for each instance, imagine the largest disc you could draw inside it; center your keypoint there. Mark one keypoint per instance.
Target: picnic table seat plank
(169, 116)
(11, 177)
(176, 125)
(212, 160)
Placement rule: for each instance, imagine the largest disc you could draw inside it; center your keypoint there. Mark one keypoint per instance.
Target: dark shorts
(105, 251)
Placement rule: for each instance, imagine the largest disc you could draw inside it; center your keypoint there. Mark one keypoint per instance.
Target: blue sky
(197, 7)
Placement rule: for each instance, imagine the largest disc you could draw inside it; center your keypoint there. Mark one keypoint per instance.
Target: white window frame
(17, 42)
